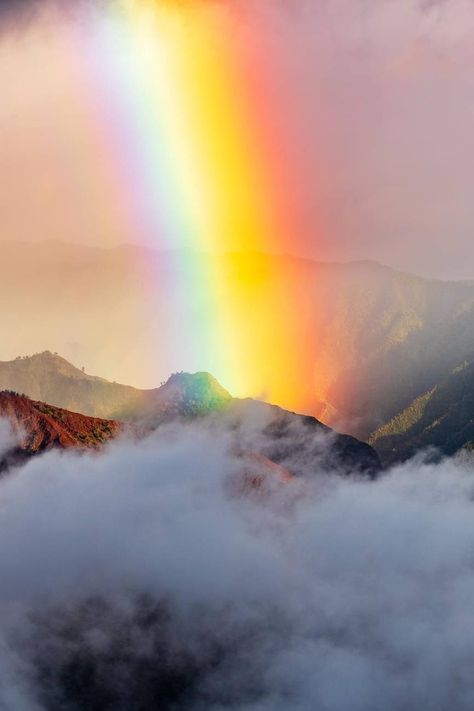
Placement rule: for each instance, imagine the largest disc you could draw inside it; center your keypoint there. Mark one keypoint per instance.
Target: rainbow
(187, 137)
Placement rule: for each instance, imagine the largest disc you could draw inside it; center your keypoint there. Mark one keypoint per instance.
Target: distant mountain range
(297, 443)
(441, 417)
(372, 339)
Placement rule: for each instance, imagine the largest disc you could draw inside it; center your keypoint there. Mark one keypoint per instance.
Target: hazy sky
(373, 104)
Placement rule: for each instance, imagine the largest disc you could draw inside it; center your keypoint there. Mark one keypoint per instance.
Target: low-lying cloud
(140, 579)
(7, 438)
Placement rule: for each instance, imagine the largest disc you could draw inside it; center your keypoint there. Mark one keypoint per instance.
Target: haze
(373, 102)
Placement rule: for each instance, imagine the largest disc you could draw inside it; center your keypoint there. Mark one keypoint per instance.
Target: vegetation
(443, 417)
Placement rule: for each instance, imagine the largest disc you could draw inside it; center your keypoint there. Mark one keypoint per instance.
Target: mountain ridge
(369, 341)
(290, 440)
(50, 378)
(63, 247)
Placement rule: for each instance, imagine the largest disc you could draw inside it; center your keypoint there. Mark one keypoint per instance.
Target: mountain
(392, 337)
(297, 443)
(41, 427)
(441, 417)
(50, 378)
(367, 339)
(182, 395)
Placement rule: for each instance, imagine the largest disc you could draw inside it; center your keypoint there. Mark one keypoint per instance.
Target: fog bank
(141, 579)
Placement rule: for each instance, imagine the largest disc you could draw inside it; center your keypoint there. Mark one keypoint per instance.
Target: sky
(364, 112)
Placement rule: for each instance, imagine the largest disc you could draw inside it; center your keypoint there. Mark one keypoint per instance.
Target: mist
(144, 578)
(370, 102)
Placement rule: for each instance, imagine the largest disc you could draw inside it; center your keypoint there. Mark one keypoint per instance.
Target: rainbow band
(196, 167)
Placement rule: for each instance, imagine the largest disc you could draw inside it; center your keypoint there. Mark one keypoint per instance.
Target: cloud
(139, 577)
(9, 440)
(7, 437)
(19, 8)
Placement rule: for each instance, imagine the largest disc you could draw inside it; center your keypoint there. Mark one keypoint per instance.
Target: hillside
(298, 443)
(183, 395)
(368, 341)
(442, 417)
(50, 378)
(41, 427)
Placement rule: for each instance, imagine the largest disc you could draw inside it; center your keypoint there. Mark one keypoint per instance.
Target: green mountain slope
(442, 417)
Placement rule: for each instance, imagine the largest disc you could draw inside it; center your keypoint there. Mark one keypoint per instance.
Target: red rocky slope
(41, 426)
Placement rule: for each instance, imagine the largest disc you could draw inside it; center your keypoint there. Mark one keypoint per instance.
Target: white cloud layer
(139, 575)
(7, 438)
